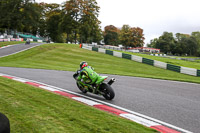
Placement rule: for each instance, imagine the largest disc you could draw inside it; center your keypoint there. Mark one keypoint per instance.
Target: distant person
(4, 124)
(28, 41)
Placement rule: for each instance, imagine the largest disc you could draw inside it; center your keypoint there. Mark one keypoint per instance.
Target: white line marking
(140, 120)
(20, 80)
(48, 88)
(86, 101)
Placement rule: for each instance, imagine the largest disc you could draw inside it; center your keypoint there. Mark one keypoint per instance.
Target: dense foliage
(128, 36)
(75, 20)
(20, 15)
(181, 44)
(111, 35)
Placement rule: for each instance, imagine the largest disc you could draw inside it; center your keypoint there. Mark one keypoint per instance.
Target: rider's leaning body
(87, 75)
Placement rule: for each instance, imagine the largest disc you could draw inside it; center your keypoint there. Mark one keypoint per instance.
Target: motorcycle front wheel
(109, 94)
(81, 88)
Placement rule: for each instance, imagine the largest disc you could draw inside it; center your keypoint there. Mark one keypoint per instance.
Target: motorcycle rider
(87, 76)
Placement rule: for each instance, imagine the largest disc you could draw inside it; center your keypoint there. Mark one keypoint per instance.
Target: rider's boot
(95, 90)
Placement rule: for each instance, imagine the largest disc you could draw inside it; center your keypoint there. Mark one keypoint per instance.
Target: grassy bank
(33, 110)
(190, 64)
(67, 57)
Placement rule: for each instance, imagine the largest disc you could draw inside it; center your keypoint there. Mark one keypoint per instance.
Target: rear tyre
(81, 88)
(109, 94)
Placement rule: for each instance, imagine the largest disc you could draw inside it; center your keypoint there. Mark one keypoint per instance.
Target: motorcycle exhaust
(111, 81)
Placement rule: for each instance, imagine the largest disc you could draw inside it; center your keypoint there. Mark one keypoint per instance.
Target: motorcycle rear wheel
(109, 94)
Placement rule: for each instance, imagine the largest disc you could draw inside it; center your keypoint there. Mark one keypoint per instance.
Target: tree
(10, 14)
(52, 28)
(30, 20)
(77, 19)
(89, 22)
(96, 35)
(53, 18)
(66, 25)
(124, 35)
(111, 35)
(166, 42)
(153, 43)
(192, 46)
(20, 15)
(131, 37)
(48, 26)
(196, 35)
(83, 17)
(73, 9)
(137, 37)
(181, 43)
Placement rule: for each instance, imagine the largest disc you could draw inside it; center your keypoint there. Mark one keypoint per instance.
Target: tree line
(68, 22)
(71, 21)
(180, 44)
(128, 36)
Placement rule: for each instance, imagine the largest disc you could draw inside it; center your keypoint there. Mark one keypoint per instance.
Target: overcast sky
(153, 16)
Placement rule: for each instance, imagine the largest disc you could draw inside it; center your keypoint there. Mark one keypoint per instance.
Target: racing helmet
(83, 64)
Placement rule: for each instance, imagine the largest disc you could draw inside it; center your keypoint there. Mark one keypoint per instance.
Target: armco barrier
(126, 56)
(189, 71)
(87, 47)
(109, 52)
(174, 68)
(148, 61)
(94, 49)
(160, 64)
(137, 58)
(198, 73)
(102, 50)
(117, 54)
(180, 69)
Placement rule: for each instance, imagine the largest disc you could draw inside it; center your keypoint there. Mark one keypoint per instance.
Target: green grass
(68, 56)
(190, 64)
(34, 110)
(10, 43)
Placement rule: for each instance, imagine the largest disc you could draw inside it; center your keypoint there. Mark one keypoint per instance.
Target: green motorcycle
(103, 89)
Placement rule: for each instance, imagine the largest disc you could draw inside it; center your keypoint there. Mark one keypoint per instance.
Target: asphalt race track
(176, 103)
(16, 48)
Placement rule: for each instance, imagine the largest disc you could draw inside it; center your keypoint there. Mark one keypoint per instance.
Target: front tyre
(81, 88)
(109, 94)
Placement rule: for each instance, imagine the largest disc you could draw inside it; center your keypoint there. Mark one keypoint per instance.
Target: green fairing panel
(101, 79)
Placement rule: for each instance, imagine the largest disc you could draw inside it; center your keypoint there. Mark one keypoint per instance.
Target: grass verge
(190, 64)
(67, 57)
(33, 110)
